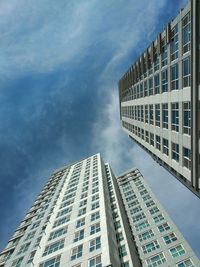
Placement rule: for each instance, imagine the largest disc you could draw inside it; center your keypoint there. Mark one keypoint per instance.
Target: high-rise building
(85, 217)
(160, 99)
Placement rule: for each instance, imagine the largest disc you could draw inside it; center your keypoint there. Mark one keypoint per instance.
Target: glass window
(38, 241)
(133, 203)
(141, 89)
(24, 248)
(85, 189)
(96, 183)
(63, 212)
(138, 217)
(174, 77)
(175, 116)
(157, 83)
(186, 118)
(135, 112)
(150, 64)
(82, 212)
(76, 252)
(165, 115)
(95, 190)
(122, 251)
(17, 262)
(125, 264)
(117, 225)
(157, 114)
(30, 235)
(154, 210)
(170, 238)
(135, 210)
(35, 225)
(174, 42)
(147, 197)
(61, 221)
(146, 235)
(66, 203)
(175, 152)
(146, 114)
(151, 139)
(177, 251)
(187, 158)
(95, 216)
(95, 197)
(80, 223)
(142, 113)
(138, 113)
(95, 228)
(95, 244)
(58, 233)
(128, 199)
(156, 260)
(186, 33)
(163, 52)
(150, 247)
(79, 235)
(54, 247)
(151, 114)
(163, 227)
(164, 76)
(158, 218)
(166, 146)
(150, 203)
(83, 203)
(31, 256)
(158, 142)
(95, 262)
(186, 72)
(141, 225)
(147, 136)
(156, 61)
(119, 237)
(143, 192)
(135, 92)
(138, 91)
(41, 215)
(142, 134)
(151, 86)
(185, 263)
(54, 262)
(145, 89)
(95, 205)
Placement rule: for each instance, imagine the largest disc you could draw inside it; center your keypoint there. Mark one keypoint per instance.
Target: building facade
(85, 217)
(158, 240)
(159, 98)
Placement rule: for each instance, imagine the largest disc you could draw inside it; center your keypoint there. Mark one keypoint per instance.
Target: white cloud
(41, 35)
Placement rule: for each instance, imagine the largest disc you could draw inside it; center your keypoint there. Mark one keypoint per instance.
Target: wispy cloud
(60, 64)
(41, 36)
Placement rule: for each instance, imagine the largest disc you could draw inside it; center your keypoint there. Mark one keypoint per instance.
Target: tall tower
(159, 98)
(158, 240)
(85, 217)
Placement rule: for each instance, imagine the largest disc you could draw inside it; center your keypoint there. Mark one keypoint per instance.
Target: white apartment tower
(85, 217)
(160, 99)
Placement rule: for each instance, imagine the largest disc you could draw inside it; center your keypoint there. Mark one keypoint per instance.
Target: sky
(59, 69)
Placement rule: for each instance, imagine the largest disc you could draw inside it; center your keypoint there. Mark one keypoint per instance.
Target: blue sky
(59, 68)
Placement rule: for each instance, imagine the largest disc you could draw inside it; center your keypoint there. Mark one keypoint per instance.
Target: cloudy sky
(59, 68)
